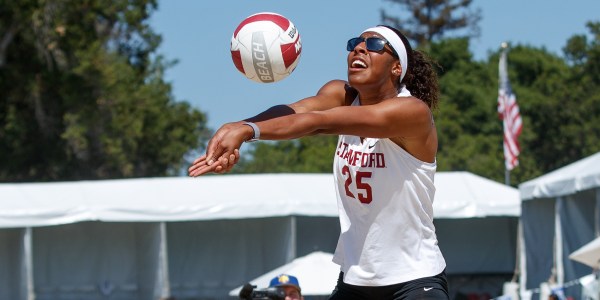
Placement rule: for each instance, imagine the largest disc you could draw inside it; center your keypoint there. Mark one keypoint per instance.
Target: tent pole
(165, 289)
(293, 238)
(559, 243)
(27, 247)
(597, 214)
(520, 257)
(518, 253)
(522, 260)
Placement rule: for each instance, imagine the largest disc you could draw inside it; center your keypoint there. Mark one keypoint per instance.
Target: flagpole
(511, 123)
(504, 46)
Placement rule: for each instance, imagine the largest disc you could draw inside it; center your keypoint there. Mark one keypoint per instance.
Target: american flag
(508, 111)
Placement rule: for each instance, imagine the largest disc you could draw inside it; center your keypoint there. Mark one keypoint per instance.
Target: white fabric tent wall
(219, 230)
(208, 258)
(560, 213)
(485, 245)
(12, 264)
(92, 260)
(478, 237)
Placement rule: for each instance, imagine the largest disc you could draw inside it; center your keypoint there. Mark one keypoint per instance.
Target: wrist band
(256, 135)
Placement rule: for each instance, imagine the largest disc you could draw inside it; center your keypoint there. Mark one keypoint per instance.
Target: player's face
(291, 293)
(370, 59)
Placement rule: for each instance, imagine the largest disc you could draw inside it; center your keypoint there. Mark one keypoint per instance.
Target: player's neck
(375, 96)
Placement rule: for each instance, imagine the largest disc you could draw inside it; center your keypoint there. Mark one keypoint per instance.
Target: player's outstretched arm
(223, 148)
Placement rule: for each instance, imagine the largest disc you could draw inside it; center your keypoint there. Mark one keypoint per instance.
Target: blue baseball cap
(285, 280)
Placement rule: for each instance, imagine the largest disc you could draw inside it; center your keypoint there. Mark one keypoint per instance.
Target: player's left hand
(222, 152)
(224, 164)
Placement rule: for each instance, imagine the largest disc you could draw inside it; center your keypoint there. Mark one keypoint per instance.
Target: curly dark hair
(421, 78)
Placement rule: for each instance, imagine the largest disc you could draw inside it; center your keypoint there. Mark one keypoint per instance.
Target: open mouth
(358, 64)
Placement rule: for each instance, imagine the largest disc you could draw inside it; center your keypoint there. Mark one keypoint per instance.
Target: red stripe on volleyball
(237, 60)
(288, 51)
(281, 21)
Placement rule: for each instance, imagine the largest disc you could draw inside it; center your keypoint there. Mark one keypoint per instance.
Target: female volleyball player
(384, 165)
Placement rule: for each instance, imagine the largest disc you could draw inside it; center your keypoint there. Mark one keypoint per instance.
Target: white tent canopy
(316, 273)
(588, 254)
(466, 195)
(578, 176)
(169, 230)
(166, 199)
(459, 195)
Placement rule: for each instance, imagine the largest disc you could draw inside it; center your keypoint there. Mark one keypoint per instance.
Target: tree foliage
(557, 97)
(426, 21)
(306, 155)
(83, 96)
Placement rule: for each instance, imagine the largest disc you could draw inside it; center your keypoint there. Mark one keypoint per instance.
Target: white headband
(396, 43)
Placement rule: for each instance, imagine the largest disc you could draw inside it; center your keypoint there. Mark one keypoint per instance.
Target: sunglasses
(374, 44)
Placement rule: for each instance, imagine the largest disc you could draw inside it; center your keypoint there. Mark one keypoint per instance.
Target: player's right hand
(222, 152)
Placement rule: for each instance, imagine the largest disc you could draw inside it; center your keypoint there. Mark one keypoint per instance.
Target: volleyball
(266, 47)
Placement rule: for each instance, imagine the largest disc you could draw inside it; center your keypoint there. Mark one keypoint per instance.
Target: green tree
(83, 95)
(557, 97)
(584, 90)
(305, 155)
(469, 131)
(430, 20)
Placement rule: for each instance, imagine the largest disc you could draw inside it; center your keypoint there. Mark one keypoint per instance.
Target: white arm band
(256, 135)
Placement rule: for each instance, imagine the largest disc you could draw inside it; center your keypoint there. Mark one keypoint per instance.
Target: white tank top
(385, 203)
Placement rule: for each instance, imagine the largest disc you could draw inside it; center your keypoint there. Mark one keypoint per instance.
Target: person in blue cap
(290, 285)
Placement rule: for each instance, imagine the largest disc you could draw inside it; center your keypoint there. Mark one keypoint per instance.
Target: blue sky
(197, 33)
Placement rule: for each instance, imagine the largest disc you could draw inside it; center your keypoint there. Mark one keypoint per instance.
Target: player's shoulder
(404, 106)
(408, 101)
(336, 84)
(340, 89)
